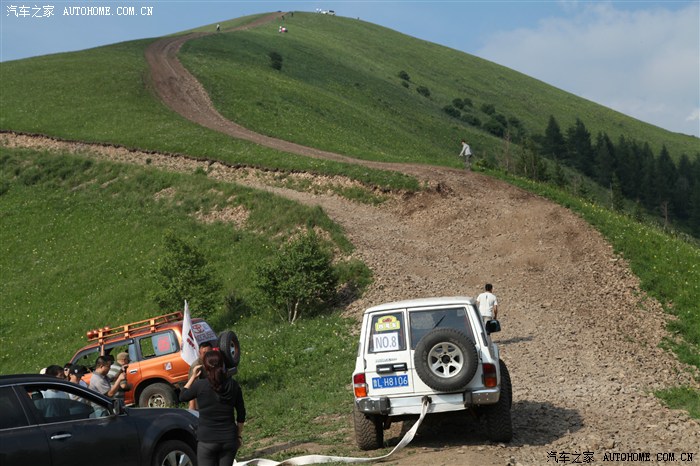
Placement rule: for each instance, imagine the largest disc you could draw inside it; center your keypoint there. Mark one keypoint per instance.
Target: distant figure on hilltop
(466, 152)
(218, 28)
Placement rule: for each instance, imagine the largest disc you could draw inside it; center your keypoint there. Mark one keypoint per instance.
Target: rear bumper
(440, 402)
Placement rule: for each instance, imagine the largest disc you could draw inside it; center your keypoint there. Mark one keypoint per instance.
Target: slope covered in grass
(80, 239)
(339, 89)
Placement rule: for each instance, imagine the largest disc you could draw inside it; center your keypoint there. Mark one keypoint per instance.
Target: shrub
(488, 109)
(467, 102)
(470, 119)
(276, 60)
(494, 127)
(300, 277)
(451, 111)
(458, 103)
(501, 119)
(403, 75)
(424, 91)
(183, 273)
(404, 84)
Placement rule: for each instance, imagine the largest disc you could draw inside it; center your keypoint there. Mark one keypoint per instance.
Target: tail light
(490, 376)
(359, 384)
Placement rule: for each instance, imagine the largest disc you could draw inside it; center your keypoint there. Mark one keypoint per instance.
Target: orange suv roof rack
(104, 333)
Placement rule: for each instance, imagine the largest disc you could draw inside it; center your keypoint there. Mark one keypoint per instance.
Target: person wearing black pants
(221, 411)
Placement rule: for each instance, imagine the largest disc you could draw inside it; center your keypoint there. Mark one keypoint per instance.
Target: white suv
(432, 347)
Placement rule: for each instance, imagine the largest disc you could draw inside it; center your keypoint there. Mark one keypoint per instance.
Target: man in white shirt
(466, 152)
(487, 303)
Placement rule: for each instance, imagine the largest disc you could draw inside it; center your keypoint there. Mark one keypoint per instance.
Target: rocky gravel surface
(581, 340)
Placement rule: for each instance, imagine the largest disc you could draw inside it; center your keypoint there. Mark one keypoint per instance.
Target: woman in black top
(219, 432)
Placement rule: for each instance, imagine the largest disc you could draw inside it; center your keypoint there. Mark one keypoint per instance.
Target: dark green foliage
(604, 164)
(275, 60)
(530, 164)
(458, 103)
(488, 109)
(617, 199)
(470, 119)
(403, 75)
(559, 178)
(495, 127)
(183, 273)
(405, 84)
(424, 91)
(501, 119)
(553, 143)
(451, 111)
(580, 150)
(299, 278)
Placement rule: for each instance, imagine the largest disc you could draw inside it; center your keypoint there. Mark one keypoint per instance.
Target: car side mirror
(493, 326)
(118, 406)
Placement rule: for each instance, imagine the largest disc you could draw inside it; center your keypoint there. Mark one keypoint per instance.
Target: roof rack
(105, 333)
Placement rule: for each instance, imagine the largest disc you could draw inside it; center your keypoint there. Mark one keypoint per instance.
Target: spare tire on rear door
(446, 359)
(230, 348)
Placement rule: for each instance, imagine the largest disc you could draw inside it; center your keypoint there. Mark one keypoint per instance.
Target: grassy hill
(338, 89)
(79, 237)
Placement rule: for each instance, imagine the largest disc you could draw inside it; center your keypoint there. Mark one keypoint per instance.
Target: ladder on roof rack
(108, 333)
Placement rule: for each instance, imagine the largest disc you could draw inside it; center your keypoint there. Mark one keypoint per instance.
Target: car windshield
(422, 322)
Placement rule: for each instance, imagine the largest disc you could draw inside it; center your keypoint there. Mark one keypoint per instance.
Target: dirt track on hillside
(579, 337)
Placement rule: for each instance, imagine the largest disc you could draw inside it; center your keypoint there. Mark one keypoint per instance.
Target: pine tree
(664, 182)
(605, 163)
(553, 144)
(579, 146)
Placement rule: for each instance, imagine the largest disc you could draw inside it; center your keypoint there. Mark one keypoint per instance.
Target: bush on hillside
(424, 91)
(276, 60)
(299, 278)
(470, 119)
(183, 273)
(495, 127)
(488, 109)
(403, 75)
(451, 111)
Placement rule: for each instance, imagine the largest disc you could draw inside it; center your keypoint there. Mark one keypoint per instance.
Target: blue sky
(641, 58)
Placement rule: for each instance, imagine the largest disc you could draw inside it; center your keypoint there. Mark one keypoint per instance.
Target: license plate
(390, 381)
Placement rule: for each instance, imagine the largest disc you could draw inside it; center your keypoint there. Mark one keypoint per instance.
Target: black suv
(51, 422)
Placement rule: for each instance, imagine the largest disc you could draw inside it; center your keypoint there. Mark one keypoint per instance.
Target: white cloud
(644, 63)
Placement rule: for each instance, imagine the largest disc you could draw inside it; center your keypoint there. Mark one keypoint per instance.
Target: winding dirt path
(579, 337)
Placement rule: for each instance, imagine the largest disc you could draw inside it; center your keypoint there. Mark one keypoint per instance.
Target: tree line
(628, 168)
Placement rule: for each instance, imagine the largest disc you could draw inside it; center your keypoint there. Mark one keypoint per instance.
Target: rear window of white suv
(423, 322)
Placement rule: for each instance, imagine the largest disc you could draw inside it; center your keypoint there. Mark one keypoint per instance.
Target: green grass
(339, 90)
(85, 100)
(80, 238)
(682, 398)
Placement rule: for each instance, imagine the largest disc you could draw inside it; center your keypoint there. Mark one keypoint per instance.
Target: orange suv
(156, 371)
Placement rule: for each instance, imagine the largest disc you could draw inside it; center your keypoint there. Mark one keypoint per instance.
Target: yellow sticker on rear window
(386, 323)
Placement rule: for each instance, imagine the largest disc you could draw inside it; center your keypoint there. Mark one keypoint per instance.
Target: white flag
(189, 351)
